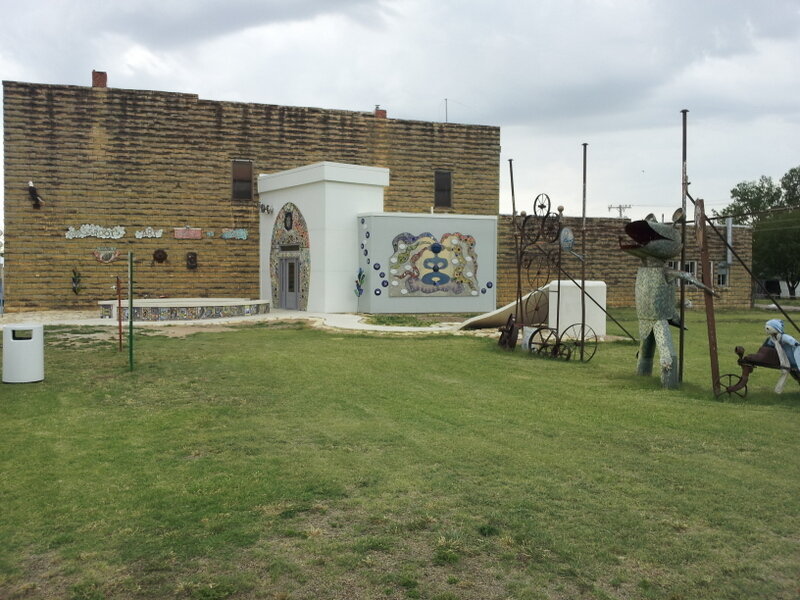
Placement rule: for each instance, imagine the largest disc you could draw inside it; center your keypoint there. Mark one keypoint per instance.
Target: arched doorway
(290, 259)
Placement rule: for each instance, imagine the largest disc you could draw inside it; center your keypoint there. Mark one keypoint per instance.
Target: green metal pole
(130, 310)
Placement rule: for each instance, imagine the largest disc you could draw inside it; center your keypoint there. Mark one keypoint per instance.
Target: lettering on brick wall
(149, 232)
(87, 230)
(234, 234)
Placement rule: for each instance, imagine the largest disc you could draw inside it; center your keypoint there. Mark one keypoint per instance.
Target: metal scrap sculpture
(530, 230)
(539, 240)
(656, 243)
(779, 351)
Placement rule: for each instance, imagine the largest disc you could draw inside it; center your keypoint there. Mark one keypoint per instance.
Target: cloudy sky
(552, 74)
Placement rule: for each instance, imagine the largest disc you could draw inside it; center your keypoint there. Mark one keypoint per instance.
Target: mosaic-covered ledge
(185, 309)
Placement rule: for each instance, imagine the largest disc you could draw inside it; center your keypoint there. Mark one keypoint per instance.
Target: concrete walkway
(344, 321)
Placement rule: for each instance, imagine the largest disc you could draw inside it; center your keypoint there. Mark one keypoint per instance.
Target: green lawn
(289, 463)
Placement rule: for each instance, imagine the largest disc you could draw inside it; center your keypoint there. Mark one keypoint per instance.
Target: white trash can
(23, 353)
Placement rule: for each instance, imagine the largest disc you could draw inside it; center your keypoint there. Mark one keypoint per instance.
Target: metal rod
(558, 296)
(130, 310)
(585, 254)
(684, 191)
(119, 312)
(515, 233)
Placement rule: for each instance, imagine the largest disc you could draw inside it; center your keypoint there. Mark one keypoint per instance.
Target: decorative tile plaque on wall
(234, 234)
(188, 233)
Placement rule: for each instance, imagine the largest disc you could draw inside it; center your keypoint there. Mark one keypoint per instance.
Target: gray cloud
(551, 72)
(168, 24)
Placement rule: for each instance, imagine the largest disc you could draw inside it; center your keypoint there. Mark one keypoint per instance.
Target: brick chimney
(380, 113)
(99, 79)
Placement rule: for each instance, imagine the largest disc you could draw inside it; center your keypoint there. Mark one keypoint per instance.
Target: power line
(619, 207)
(784, 228)
(758, 213)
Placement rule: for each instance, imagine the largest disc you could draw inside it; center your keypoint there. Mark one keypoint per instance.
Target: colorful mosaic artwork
(106, 255)
(188, 233)
(148, 232)
(186, 313)
(234, 234)
(76, 282)
(88, 230)
(359, 291)
(423, 266)
(290, 240)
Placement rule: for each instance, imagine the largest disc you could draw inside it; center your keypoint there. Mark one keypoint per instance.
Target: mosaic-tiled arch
(290, 230)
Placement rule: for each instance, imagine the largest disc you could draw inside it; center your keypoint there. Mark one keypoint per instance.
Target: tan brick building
(141, 159)
(104, 158)
(606, 262)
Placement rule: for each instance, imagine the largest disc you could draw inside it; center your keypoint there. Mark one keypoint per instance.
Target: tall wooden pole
(705, 274)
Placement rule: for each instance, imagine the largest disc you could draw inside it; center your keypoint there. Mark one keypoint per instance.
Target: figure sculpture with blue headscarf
(786, 346)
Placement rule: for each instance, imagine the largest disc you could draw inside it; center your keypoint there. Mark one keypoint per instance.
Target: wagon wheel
(543, 341)
(551, 227)
(571, 338)
(508, 333)
(728, 381)
(541, 205)
(562, 351)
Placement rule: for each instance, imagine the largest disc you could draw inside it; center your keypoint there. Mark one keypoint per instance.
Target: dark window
(242, 177)
(443, 183)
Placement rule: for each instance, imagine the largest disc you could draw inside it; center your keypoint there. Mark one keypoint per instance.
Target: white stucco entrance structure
(327, 197)
(326, 245)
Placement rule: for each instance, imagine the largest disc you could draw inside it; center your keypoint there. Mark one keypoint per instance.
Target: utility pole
(619, 207)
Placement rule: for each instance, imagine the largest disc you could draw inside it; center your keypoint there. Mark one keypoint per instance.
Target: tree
(776, 248)
(776, 233)
(753, 198)
(790, 184)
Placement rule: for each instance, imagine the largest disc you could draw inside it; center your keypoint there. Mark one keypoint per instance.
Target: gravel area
(182, 328)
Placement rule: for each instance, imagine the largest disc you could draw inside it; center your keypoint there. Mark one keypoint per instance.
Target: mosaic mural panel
(290, 240)
(424, 266)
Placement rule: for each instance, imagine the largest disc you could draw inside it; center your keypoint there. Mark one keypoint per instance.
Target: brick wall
(606, 262)
(132, 158)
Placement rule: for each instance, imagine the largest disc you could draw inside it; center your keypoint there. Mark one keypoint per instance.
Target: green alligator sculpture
(656, 243)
